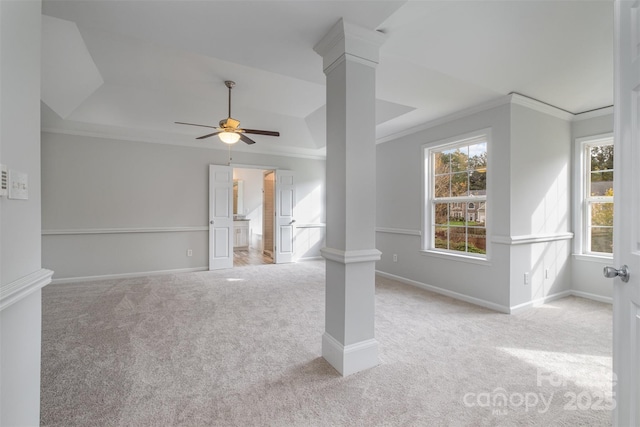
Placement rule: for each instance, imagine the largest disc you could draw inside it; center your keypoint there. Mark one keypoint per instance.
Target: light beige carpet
(241, 347)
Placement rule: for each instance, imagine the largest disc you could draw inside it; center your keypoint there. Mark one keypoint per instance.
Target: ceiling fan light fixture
(229, 137)
(229, 132)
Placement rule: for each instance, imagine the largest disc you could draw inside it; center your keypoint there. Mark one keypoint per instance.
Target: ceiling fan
(228, 130)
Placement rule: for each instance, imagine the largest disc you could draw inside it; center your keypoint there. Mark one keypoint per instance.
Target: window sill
(455, 257)
(604, 259)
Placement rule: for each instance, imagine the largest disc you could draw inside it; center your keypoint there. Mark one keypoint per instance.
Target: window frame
(428, 200)
(583, 199)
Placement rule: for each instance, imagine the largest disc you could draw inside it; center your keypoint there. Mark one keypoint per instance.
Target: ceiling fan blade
(209, 135)
(261, 132)
(193, 124)
(246, 139)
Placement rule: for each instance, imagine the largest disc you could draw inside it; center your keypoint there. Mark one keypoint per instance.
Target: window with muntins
(456, 205)
(598, 197)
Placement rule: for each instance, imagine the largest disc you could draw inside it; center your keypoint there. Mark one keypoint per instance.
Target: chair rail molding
(70, 231)
(15, 291)
(531, 238)
(350, 257)
(392, 230)
(311, 225)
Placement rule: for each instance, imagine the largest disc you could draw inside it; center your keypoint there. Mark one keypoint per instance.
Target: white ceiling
(166, 61)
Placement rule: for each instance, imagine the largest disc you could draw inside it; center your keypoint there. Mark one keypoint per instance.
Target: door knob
(622, 273)
(211, 222)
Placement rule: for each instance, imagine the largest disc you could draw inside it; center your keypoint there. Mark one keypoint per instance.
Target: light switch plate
(18, 185)
(4, 180)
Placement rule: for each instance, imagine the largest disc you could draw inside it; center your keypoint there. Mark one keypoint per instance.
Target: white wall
(114, 187)
(20, 332)
(399, 198)
(21, 276)
(540, 204)
(528, 199)
(20, 133)
(587, 271)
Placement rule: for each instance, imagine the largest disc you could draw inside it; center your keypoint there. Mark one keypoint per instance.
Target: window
(456, 197)
(598, 196)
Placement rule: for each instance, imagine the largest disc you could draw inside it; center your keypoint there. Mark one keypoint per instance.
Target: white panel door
(284, 223)
(626, 295)
(220, 217)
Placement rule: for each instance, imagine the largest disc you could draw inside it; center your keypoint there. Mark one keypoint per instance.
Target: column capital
(345, 38)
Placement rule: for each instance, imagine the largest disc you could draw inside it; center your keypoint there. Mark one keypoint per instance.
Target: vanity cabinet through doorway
(241, 234)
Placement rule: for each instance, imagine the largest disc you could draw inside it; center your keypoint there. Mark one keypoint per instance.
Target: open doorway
(268, 210)
(253, 203)
(236, 212)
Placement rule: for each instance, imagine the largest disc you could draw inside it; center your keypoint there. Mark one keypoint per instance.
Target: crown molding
(541, 107)
(498, 102)
(600, 112)
(511, 99)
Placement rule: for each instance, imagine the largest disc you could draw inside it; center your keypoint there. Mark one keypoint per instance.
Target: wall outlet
(526, 278)
(189, 252)
(395, 257)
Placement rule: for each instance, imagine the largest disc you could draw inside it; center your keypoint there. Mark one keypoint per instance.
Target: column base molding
(351, 358)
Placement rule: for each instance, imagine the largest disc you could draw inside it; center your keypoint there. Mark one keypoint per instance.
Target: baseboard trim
(351, 358)
(310, 258)
(13, 292)
(456, 295)
(494, 306)
(127, 275)
(594, 297)
(539, 301)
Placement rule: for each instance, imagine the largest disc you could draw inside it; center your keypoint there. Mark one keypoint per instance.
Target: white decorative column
(350, 56)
